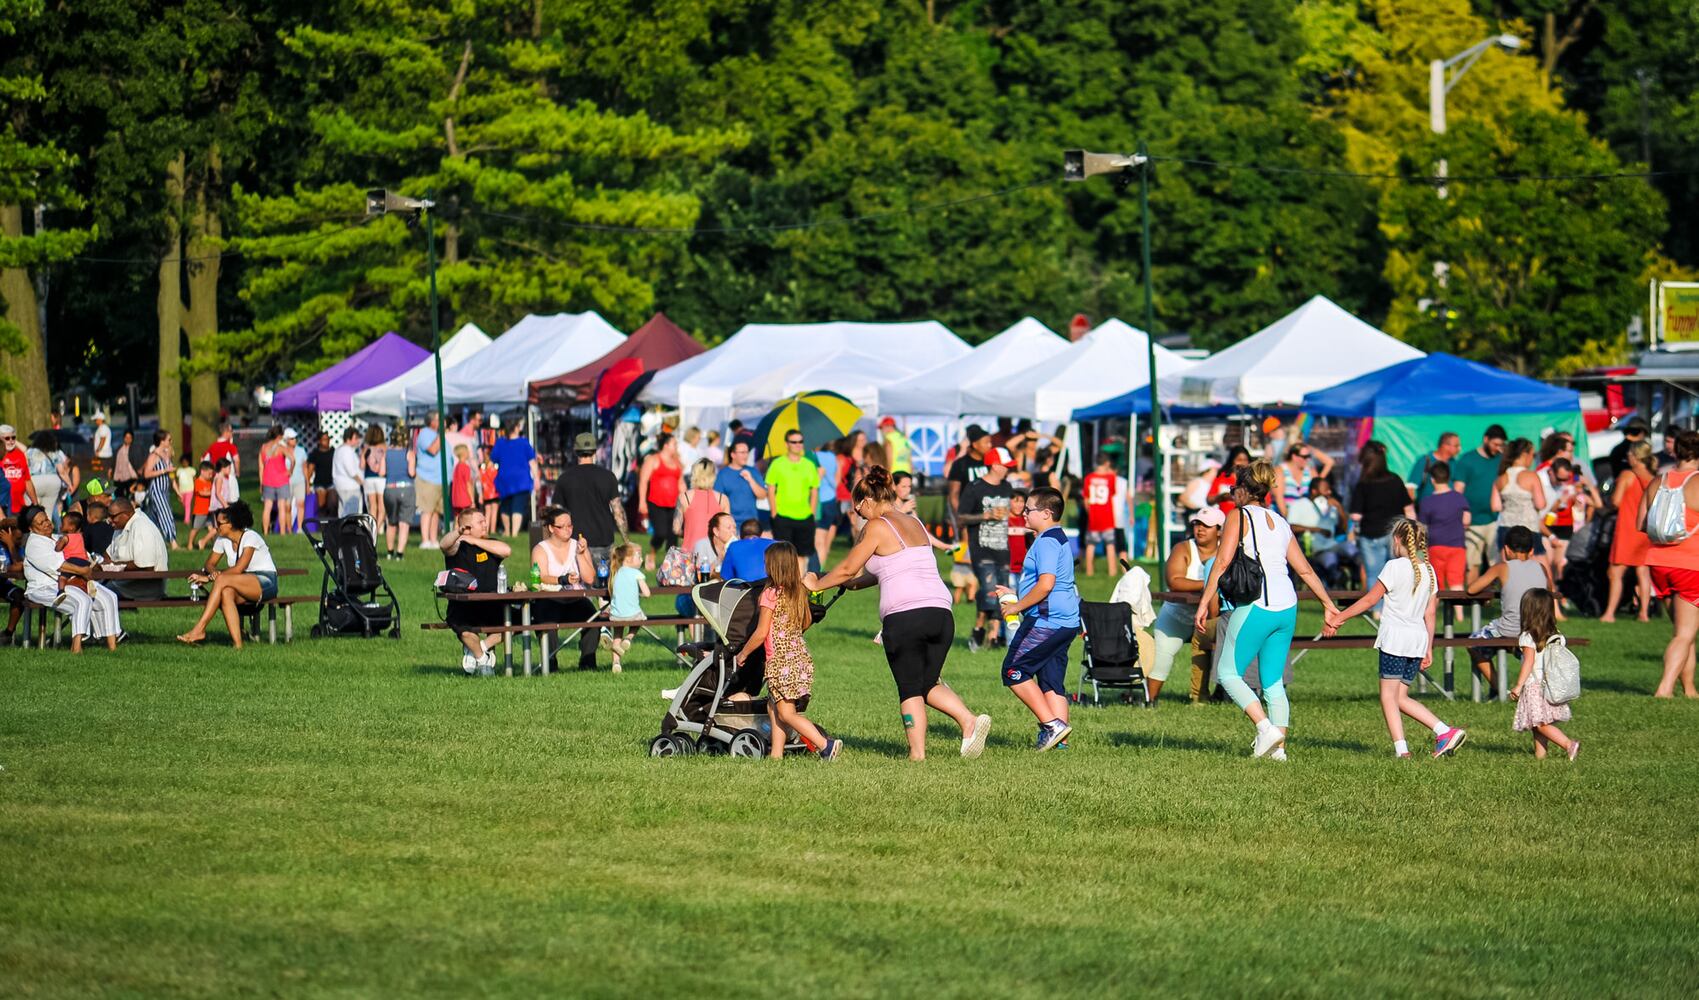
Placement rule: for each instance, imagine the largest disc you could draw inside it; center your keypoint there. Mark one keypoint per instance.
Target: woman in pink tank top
(914, 610)
(1675, 568)
(701, 502)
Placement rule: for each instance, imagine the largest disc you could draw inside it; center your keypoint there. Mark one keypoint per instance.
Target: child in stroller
(715, 710)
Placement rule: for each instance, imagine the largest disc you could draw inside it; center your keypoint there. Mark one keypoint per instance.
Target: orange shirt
(203, 496)
(1686, 554)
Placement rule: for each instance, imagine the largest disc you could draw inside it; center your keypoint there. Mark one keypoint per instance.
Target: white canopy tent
(740, 376)
(536, 348)
(1314, 347)
(1109, 361)
(941, 391)
(389, 399)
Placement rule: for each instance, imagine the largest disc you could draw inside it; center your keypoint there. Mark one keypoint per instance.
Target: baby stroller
(1586, 570)
(354, 599)
(1111, 657)
(700, 717)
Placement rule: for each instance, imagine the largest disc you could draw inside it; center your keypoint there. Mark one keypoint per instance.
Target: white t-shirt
(1270, 546)
(41, 563)
(1403, 616)
(261, 561)
(103, 441)
(345, 469)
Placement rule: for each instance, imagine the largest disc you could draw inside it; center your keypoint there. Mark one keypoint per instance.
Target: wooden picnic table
(1452, 598)
(100, 573)
(526, 629)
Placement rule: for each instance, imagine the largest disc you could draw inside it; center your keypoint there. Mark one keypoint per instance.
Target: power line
(853, 220)
(306, 238)
(1421, 179)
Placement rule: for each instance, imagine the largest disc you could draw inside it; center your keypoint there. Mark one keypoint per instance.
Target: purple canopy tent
(330, 390)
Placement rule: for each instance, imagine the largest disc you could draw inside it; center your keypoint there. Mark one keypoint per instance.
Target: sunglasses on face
(793, 440)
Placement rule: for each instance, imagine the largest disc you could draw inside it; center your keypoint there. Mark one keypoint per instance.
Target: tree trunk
(200, 317)
(27, 405)
(169, 308)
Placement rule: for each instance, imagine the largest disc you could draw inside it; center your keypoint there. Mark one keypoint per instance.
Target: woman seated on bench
(250, 579)
(92, 611)
(563, 560)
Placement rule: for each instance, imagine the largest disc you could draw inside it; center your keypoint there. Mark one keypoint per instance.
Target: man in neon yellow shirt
(793, 483)
(896, 446)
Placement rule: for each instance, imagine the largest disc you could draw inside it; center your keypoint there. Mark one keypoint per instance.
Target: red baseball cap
(1000, 456)
(887, 421)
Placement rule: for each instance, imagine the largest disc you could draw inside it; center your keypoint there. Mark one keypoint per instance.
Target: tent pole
(1160, 507)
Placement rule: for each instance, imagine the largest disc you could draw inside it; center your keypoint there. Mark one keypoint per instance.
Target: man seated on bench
(138, 544)
(251, 576)
(470, 549)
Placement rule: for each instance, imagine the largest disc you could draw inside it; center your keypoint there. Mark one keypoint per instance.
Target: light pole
(381, 202)
(1443, 74)
(1077, 165)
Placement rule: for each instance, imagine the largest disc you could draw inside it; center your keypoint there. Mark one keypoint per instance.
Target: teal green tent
(1412, 403)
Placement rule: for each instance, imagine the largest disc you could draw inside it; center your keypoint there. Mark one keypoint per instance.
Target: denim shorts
(1039, 654)
(268, 583)
(1399, 668)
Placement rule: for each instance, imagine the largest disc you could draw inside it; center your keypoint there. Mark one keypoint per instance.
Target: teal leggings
(1265, 636)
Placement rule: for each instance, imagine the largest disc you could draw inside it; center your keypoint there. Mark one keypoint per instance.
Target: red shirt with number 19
(1099, 494)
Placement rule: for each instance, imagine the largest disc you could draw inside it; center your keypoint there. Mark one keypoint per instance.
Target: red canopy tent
(657, 344)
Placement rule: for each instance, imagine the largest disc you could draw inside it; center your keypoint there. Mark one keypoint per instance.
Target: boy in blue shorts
(1036, 666)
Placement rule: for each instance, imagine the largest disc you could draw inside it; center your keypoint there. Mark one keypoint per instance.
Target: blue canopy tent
(1412, 403)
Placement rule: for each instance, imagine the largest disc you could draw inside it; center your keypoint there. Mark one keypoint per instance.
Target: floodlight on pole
(1078, 165)
(382, 202)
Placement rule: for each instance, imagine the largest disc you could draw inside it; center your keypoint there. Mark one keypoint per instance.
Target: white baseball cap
(289, 432)
(99, 415)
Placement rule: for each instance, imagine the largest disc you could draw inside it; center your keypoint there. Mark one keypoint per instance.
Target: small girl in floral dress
(1533, 712)
(790, 670)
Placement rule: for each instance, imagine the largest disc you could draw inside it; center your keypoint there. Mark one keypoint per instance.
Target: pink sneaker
(1574, 749)
(1449, 741)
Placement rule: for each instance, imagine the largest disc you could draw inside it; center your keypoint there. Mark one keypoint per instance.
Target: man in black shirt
(969, 466)
(590, 494)
(984, 516)
(1633, 434)
(470, 548)
(319, 477)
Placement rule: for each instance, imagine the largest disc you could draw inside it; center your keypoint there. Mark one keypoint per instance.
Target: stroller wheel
(316, 632)
(712, 747)
(748, 743)
(686, 746)
(663, 746)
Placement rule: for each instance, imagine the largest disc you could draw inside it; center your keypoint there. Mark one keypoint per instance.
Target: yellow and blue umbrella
(820, 415)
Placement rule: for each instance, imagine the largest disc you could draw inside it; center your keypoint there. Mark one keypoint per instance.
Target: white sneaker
(616, 667)
(1278, 754)
(468, 664)
(669, 695)
(973, 744)
(487, 664)
(1267, 739)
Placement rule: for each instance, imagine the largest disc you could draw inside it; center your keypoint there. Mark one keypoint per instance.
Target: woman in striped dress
(157, 474)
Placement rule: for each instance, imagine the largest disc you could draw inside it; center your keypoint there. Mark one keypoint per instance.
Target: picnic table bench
(37, 614)
(525, 628)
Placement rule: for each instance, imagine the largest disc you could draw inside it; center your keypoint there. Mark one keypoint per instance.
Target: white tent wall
(389, 399)
(535, 348)
(706, 388)
(1110, 360)
(1314, 347)
(939, 391)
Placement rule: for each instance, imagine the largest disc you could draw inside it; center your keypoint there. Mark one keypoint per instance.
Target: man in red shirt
(1100, 515)
(225, 447)
(15, 467)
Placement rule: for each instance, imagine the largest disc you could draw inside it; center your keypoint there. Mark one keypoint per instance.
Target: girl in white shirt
(1411, 591)
(250, 576)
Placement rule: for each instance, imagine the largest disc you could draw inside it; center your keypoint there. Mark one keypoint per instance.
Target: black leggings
(578, 609)
(661, 528)
(916, 642)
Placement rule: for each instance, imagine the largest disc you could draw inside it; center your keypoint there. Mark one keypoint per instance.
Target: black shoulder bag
(1242, 581)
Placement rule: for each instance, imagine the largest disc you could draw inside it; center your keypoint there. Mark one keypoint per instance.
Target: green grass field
(356, 818)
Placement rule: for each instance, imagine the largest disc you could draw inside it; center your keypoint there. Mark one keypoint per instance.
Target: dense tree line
(181, 183)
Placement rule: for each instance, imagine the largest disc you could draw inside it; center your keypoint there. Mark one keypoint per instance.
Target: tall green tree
(33, 173)
(466, 102)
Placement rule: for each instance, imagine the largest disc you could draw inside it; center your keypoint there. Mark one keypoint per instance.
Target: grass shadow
(1144, 741)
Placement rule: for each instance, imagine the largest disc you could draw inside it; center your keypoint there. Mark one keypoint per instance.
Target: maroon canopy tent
(657, 344)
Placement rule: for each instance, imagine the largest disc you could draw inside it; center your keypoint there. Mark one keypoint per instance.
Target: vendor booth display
(941, 391)
(1107, 362)
(536, 348)
(389, 398)
(764, 362)
(1413, 403)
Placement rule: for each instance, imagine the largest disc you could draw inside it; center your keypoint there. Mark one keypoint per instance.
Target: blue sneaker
(831, 750)
(1052, 734)
(1063, 745)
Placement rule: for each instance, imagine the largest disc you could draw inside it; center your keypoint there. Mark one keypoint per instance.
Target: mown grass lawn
(356, 818)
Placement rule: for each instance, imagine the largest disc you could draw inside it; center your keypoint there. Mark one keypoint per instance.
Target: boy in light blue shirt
(1036, 666)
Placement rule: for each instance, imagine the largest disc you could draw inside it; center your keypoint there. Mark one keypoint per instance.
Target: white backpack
(1666, 518)
(1559, 672)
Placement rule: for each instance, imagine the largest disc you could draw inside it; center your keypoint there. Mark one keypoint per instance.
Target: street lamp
(382, 202)
(1078, 165)
(1443, 74)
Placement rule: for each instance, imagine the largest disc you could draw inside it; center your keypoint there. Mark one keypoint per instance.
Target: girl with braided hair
(1410, 589)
